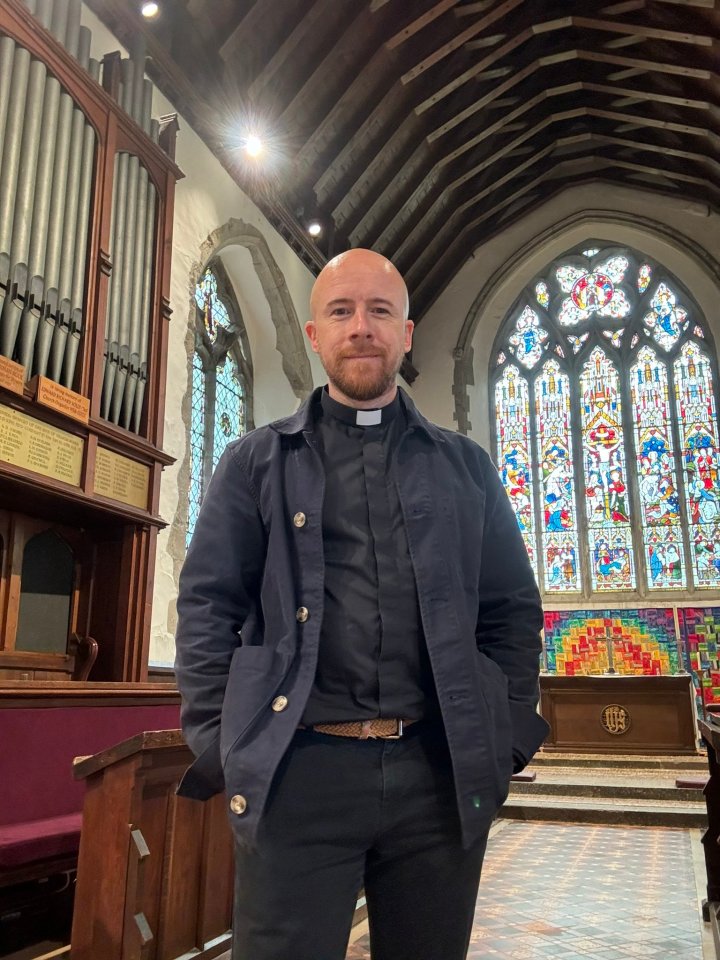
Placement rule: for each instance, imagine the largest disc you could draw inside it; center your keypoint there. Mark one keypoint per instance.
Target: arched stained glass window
(221, 405)
(606, 428)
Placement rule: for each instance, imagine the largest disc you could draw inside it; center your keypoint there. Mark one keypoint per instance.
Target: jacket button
(279, 704)
(238, 804)
(302, 614)
(299, 519)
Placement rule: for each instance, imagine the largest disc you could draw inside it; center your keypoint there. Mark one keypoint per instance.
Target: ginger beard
(361, 373)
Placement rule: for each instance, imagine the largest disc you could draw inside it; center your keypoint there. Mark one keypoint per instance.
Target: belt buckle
(395, 736)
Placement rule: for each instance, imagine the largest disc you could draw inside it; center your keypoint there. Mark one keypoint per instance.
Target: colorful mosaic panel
(660, 514)
(626, 642)
(512, 419)
(554, 451)
(607, 503)
(700, 632)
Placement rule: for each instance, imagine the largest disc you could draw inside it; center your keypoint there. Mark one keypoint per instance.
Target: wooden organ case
(87, 183)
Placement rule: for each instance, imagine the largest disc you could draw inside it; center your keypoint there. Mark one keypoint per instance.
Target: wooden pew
(43, 726)
(155, 872)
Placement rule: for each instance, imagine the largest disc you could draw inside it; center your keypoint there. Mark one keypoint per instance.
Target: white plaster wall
(506, 263)
(206, 199)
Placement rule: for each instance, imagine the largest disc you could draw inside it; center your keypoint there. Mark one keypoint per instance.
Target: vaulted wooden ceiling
(421, 128)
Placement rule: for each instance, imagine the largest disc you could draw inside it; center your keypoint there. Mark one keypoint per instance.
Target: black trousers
(345, 814)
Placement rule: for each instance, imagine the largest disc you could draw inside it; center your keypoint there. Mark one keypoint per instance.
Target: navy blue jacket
(244, 639)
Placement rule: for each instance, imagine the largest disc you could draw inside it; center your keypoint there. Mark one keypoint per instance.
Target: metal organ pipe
(146, 306)
(47, 152)
(66, 308)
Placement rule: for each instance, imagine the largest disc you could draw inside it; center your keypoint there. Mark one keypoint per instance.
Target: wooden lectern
(155, 871)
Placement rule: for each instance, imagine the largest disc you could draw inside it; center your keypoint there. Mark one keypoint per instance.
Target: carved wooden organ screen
(87, 181)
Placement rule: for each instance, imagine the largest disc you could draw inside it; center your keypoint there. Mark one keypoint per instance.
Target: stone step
(661, 762)
(650, 790)
(599, 810)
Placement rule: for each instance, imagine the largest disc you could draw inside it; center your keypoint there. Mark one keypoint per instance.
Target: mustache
(374, 352)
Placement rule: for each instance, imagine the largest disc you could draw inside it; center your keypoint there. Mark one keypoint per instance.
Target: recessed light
(150, 9)
(314, 228)
(253, 146)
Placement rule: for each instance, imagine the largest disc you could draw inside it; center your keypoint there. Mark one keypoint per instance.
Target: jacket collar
(303, 421)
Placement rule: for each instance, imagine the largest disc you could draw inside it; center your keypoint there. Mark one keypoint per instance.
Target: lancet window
(221, 406)
(603, 383)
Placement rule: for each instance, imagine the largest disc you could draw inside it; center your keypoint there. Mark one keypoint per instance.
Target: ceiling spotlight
(253, 146)
(150, 9)
(314, 228)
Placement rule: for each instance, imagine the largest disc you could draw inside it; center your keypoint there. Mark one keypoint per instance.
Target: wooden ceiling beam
(458, 41)
(643, 31)
(684, 128)
(663, 148)
(627, 6)
(283, 57)
(470, 9)
(430, 214)
(650, 96)
(561, 24)
(622, 42)
(420, 23)
(485, 42)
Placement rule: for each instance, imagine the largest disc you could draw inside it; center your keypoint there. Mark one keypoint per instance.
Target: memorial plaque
(121, 478)
(59, 398)
(12, 376)
(34, 445)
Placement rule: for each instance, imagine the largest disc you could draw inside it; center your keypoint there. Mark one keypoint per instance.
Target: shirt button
(299, 519)
(302, 614)
(238, 804)
(279, 704)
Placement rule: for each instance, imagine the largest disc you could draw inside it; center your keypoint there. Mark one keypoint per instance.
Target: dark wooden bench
(43, 727)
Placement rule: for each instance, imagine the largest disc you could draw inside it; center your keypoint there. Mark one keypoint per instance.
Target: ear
(311, 331)
(409, 327)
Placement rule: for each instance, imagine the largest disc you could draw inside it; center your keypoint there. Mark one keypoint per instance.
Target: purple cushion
(39, 744)
(22, 843)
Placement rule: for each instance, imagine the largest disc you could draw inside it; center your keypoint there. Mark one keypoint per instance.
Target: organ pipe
(47, 161)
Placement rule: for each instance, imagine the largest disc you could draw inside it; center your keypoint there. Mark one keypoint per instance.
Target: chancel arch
(603, 384)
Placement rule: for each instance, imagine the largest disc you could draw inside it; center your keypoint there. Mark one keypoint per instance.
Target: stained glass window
(221, 383)
(699, 444)
(610, 453)
(513, 445)
(554, 456)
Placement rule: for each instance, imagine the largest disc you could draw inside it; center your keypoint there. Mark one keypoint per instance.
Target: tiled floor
(575, 892)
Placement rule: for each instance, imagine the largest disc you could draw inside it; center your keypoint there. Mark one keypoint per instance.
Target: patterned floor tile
(583, 892)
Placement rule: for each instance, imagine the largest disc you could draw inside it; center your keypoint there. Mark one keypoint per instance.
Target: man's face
(359, 326)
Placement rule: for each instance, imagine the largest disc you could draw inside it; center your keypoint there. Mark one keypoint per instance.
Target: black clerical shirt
(373, 660)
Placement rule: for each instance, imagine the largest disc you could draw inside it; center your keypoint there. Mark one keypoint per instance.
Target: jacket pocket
(256, 672)
(494, 687)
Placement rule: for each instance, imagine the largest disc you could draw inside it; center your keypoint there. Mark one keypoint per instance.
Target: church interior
(546, 176)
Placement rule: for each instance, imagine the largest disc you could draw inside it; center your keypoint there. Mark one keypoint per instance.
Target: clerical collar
(360, 418)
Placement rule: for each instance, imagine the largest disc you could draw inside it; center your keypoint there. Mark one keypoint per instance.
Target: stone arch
(289, 344)
(289, 336)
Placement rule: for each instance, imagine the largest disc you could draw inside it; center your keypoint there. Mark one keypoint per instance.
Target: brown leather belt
(382, 728)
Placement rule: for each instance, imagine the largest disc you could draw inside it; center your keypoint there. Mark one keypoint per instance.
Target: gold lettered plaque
(59, 398)
(12, 375)
(121, 478)
(29, 443)
(615, 719)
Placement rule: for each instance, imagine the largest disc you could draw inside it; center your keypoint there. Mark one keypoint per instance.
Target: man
(357, 651)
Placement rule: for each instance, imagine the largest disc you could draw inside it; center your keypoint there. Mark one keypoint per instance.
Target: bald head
(359, 326)
(358, 261)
